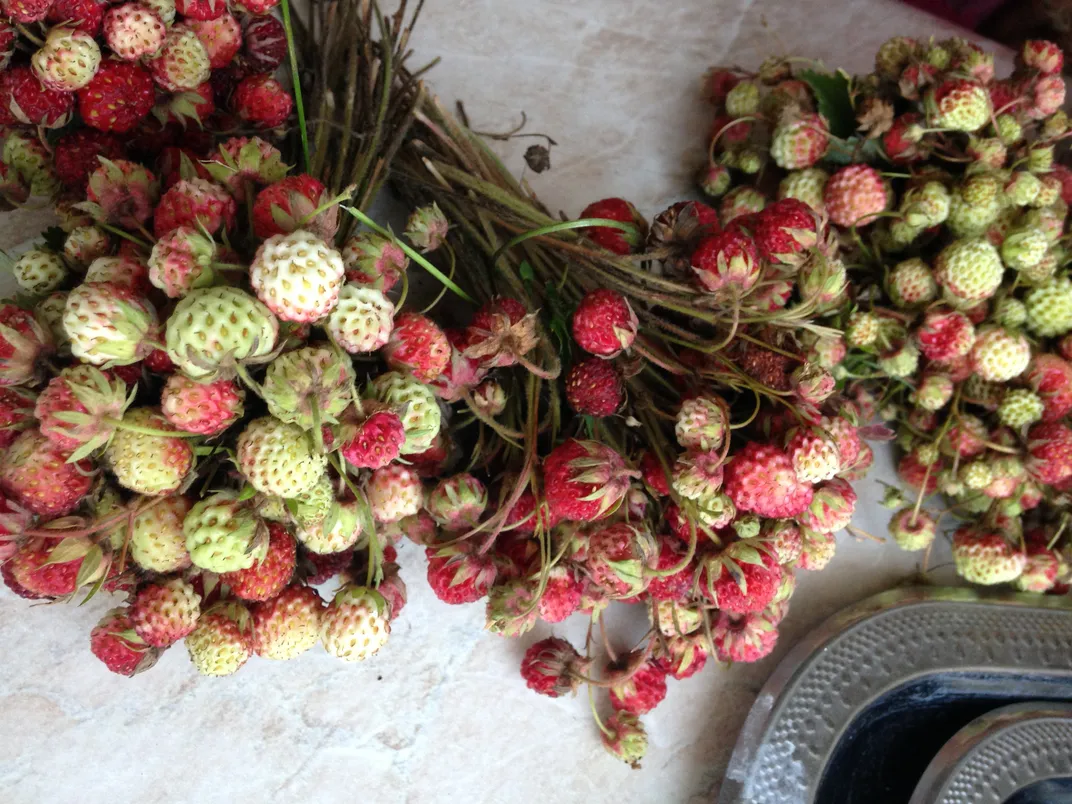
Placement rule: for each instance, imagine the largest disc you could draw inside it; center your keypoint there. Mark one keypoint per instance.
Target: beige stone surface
(441, 714)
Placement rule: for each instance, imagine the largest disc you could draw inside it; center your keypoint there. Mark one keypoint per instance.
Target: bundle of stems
(356, 96)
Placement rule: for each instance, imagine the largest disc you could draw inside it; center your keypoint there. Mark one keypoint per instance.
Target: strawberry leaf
(832, 93)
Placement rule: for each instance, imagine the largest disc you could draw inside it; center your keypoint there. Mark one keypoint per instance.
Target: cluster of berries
(704, 523)
(146, 80)
(947, 186)
(182, 421)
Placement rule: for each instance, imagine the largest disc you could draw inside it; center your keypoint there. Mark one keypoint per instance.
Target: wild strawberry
(152, 464)
(986, 557)
(247, 162)
(181, 261)
(298, 276)
(945, 334)
(915, 473)
(114, 642)
(120, 95)
(289, 204)
(75, 155)
(221, 36)
(203, 408)
(222, 641)
(616, 240)
(264, 44)
(814, 454)
(741, 579)
(288, 624)
(394, 492)
(831, 507)
(108, 323)
(999, 355)
(552, 667)
(36, 475)
(562, 594)
(1042, 565)
(697, 475)
(799, 142)
(678, 585)
(266, 578)
(500, 332)
(1049, 308)
(16, 414)
(604, 324)
(785, 231)
(376, 441)
(625, 738)
(133, 30)
(165, 612)
(457, 503)
(727, 263)
(639, 690)
(24, 99)
(585, 480)
(1047, 97)
(415, 405)
(183, 62)
(262, 101)
(1038, 54)
(901, 141)
(126, 271)
(761, 478)
(75, 411)
(746, 638)
(510, 609)
(67, 61)
(654, 475)
(459, 574)
(193, 106)
(23, 11)
(418, 346)
(1049, 447)
(81, 15)
(39, 567)
(121, 192)
(912, 530)
(618, 556)
(958, 104)
(374, 260)
(969, 271)
(855, 195)
(194, 204)
(277, 458)
(594, 387)
(1050, 378)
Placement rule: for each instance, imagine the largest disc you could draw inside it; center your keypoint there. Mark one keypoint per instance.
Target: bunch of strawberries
(82, 79)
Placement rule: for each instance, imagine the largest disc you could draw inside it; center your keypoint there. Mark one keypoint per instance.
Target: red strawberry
(638, 691)
(967, 438)
(262, 101)
(685, 655)
(265, 44)
(604, 324)
(945, 335)
(195, 203)
(617, 240)
(594, 387)
(746, 638)
(899, 147)
(760, 478)
(37, 476)
(201, 9)
(282, 207)
(189, 106)
(727, 262)
(24, 99)
(266, 578)
(1049, 447)
(618, 557)
(23, 342)
(16, 415)
(376, 442)
(1051, 378)
(114, 642)
(417, 346)
(327, 565)
(33, 568)
(82, 15)
(584, 480)
(562, 595)
(785, 232)
(256, 7)
(120, 95)
(914, 474)
(392, 587)
(287, 625)
(741, 579)
(75, 155)
(552, 667)
(458, 574)
(222, 38)
(24, 11)
(165, 612)
(654, 475)
(671, 587)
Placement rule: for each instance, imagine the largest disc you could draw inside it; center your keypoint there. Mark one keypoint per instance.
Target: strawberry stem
(564, 226)
(294, 76)
(119, 424)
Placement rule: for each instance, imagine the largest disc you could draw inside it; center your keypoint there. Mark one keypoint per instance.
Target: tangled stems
(296, 79)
